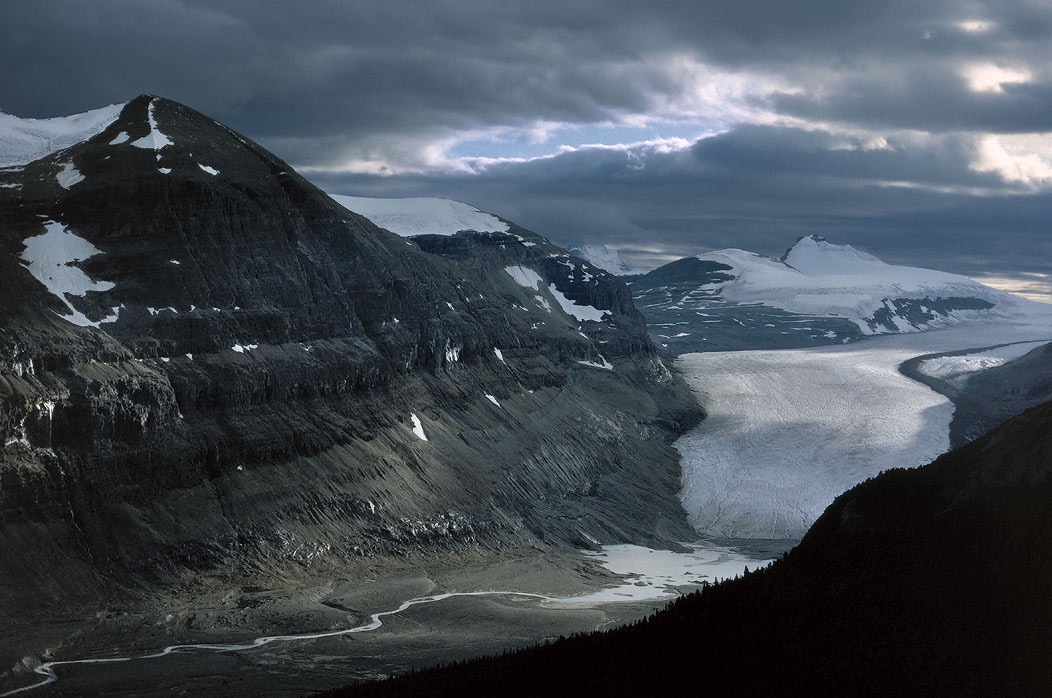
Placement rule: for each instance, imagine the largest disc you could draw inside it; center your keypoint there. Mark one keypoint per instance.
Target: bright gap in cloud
(1021, 158)
(564, 137)
(987, 77)
(1032, 285)
(975, 26)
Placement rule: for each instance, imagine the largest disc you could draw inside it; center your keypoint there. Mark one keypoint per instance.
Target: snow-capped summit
(817, 293)
(25, 140)
(819, 277)
(814, 254)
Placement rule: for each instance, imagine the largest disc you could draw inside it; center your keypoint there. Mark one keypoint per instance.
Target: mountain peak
(813, 254)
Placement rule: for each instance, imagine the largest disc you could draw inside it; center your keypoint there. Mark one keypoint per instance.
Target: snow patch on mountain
(155, 139)
(524, 276)
(25, 140)
(422, 216)
(576, 310)
(68, 176)
(816, 277)
(50, 258)
(418, 427)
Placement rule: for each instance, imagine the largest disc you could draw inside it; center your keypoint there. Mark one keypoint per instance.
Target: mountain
(817, 293)
(213, 377)
(922, 582)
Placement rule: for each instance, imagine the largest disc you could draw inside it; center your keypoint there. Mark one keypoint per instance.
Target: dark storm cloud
(346, 70)
(863, 121)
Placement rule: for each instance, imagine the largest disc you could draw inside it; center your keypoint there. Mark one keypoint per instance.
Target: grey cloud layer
(349, 69)
(760, 188)
(325, 81)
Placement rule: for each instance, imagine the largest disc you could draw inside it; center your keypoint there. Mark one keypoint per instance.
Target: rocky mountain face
(211, 371)
(818, 293)
(922, 582)
(984, 399)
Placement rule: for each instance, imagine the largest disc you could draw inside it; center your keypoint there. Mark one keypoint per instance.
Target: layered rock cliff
(209, 370)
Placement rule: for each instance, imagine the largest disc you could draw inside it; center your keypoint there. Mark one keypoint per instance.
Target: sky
(918, 131)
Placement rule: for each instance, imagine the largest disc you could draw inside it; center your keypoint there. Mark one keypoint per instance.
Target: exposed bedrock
(248, 397)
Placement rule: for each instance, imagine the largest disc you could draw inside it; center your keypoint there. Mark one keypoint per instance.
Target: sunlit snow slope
(422, 216)
(25, 140)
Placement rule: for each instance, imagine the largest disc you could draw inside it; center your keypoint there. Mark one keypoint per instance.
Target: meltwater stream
(651, 574)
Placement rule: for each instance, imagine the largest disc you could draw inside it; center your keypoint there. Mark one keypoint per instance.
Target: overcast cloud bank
(919, 131)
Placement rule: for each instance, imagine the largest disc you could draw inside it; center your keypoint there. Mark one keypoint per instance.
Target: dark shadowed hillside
(214, 379)
(923, 582)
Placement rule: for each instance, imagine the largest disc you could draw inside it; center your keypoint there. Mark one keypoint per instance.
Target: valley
(789, 430)
(257, 438)
(368, 628)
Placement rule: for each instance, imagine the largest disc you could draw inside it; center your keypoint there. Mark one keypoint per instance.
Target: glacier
(789, 430)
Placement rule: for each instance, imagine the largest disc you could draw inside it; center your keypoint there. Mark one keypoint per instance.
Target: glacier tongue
(790, 430)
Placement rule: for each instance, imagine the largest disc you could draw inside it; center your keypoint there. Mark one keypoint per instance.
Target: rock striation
(210, 371)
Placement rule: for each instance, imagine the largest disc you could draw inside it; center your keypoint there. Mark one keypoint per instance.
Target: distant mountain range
(817, 293)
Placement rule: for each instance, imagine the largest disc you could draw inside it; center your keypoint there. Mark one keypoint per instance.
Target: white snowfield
(69, 176)
(790, 430)
(50, 257)
(422, 216)
(820, 278)
(525, 277)
(575, 309)
(25, 140)
(529, 279)
(418, 427)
